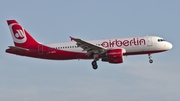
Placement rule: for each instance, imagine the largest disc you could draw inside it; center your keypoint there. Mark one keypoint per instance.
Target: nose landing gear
(150, 58)
(150, 61)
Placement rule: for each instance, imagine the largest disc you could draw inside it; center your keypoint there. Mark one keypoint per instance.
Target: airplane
(108, 50)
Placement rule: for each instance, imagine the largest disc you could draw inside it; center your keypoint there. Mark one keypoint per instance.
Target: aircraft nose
(170, 45)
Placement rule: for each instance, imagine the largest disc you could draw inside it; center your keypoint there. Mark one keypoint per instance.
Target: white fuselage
(131, 45)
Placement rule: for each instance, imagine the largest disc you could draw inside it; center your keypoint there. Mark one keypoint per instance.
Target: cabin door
(149, 41)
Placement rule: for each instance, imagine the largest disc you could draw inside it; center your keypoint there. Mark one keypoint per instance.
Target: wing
(87, 46)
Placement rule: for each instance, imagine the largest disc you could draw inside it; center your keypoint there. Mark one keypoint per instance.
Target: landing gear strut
(150, 58)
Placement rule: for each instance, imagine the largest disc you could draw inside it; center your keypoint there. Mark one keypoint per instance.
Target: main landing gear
(94, 62)
(94, 65)
(150, 58)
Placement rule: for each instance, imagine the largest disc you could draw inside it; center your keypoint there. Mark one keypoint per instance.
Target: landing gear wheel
(150, 61)
(94, 65)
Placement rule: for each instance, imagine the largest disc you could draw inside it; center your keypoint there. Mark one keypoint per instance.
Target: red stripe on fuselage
(55, 54)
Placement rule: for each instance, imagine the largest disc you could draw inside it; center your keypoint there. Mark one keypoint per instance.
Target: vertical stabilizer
(20, 36)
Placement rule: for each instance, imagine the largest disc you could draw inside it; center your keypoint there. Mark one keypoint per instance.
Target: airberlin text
(120, 43)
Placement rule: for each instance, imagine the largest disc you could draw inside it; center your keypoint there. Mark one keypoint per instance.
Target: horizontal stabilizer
(18, 48)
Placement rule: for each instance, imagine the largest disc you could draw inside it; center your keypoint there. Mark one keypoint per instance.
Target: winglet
(71, 38)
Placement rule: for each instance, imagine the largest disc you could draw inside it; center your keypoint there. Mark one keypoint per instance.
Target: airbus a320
(108, 50)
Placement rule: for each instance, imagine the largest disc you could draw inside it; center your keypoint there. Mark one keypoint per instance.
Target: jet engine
(113, 56)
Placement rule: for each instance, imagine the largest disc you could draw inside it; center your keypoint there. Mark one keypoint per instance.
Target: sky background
(29, 79)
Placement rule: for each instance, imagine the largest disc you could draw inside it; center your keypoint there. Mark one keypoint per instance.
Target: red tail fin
(20, 36)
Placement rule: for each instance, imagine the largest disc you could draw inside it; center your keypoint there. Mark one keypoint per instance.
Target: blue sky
(28, 79)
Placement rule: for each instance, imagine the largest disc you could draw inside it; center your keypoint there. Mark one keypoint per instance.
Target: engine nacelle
(113, 56)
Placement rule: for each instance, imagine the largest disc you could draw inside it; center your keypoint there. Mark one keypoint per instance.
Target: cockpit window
(160, 40)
